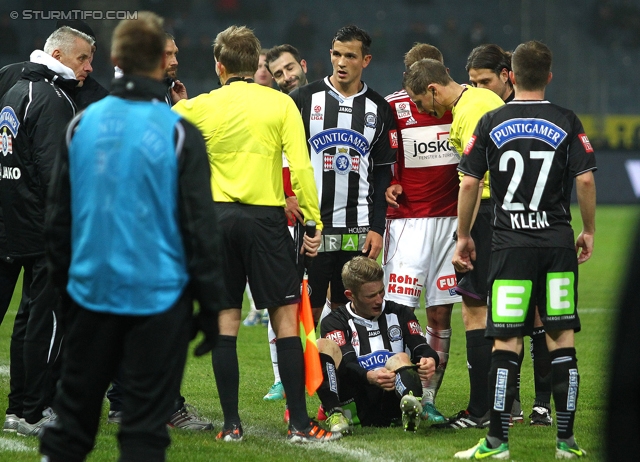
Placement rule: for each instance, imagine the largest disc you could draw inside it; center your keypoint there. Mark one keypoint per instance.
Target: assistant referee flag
(312, 368)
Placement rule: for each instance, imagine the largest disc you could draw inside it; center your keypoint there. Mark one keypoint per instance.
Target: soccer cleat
(35, 429)
(482, 451)
(411, 410)
(275, 393)
(338, 421)
(265, 318)
(564, 451)
(233, 434)
(541, 417)
(11, 422)
(187, 418)
(253, 318)
(114, 417)
(465, 420)
(312, 434)
(516, 418)
(431, 414)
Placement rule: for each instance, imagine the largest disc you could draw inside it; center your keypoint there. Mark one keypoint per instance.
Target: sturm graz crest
(6, 143)
(342, 164)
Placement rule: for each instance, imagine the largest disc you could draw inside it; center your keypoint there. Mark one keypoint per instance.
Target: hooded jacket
(33, 116)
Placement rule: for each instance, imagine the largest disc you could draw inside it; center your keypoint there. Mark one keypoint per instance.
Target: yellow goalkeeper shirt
(473, 104)
(247, 127)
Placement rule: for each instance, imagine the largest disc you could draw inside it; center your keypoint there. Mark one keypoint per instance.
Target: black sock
(520, 359)
(408, 380)
(541, 368)
(225, 368)
(502, 386)
(328, 390)
(566, 381)
(291, 366)
(479, 362)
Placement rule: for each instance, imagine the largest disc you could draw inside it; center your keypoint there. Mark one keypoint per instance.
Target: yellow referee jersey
(474, 103)
(247, 127)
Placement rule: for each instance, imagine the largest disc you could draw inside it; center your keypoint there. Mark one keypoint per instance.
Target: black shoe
(464, 420)
(541, 417)
(312, 434)
(233, 434)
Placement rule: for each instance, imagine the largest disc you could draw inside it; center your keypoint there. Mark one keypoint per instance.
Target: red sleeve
(286, 181)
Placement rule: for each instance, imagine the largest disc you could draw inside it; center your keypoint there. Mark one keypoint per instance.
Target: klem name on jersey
(540, 129)
(531, 220)
(339, 137)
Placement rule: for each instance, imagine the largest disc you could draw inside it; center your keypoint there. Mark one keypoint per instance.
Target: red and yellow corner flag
(312, 368)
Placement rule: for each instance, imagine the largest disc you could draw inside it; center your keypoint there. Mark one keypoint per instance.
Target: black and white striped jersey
(366, 344)
(347, 137)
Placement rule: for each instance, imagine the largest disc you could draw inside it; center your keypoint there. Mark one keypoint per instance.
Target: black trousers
(36, 338)
(150, 353)
(9, 273)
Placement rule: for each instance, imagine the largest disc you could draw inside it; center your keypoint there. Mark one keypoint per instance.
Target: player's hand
(584, 243)
(391, 195)
(310, 245)
(372, 244)
(178, 92)
(205, 321)
(292, 210)
(426, 368)
(464, 253)
(382, 378)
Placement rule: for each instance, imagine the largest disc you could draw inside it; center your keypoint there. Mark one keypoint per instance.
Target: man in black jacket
(33, 116)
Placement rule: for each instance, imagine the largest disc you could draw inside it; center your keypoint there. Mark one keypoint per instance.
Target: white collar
(40, 57)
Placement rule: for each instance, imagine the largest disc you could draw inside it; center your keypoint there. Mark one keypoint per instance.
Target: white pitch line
(14, 446)
(4, 371)
(333, 448)
(355, 454)
(594, 310)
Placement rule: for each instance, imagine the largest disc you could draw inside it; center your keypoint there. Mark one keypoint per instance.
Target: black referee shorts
(257, 246)
(474, 283)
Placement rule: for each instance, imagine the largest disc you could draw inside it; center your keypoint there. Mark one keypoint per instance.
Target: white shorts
(417, 257)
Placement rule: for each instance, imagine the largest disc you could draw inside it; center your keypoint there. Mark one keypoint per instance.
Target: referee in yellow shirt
(246, 128)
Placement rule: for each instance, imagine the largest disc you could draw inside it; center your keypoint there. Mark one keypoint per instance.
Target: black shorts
(257, 246)
(474, 283)
(326, 268)
(523, 278)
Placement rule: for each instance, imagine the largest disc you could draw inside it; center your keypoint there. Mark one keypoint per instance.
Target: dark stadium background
(596, 46)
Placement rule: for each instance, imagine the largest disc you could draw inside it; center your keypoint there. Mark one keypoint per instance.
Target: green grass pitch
(265, 431)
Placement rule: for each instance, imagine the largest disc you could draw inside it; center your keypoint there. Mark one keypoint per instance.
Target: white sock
(274, 353)
(440, 341)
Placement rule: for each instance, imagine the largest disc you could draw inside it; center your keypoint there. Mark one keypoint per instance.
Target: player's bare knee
(474, 314)
(439, 316)
(397, 361)
(331, 348)
(560, 339)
